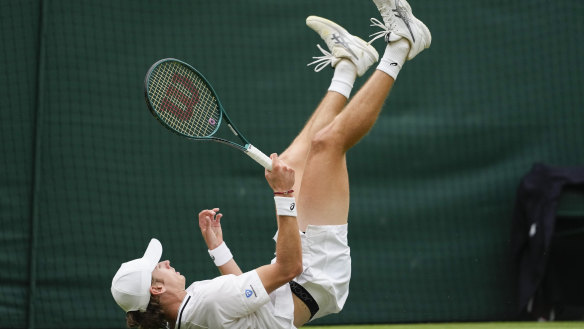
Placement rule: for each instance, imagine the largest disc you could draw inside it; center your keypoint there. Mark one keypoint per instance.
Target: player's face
(166, 274)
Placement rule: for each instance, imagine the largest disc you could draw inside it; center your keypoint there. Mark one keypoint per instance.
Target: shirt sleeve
(233, 297)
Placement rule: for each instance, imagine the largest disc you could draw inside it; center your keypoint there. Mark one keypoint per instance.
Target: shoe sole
(339, 29)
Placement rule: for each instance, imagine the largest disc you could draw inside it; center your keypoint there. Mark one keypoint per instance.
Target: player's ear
(157, 288)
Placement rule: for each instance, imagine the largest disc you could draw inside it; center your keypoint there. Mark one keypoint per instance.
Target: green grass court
(489, 325)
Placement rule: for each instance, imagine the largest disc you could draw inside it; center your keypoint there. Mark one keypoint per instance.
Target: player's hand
(281, 178)
(210, 225)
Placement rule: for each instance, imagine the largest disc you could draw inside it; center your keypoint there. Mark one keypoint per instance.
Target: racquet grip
(259, 157)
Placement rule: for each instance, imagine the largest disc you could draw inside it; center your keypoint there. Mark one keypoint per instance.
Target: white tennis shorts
(326, 260)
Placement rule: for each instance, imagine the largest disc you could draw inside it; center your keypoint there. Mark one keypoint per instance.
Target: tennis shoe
(341, 44)
(399, 22)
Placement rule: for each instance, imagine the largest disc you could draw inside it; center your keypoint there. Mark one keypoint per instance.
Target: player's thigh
(324, 199)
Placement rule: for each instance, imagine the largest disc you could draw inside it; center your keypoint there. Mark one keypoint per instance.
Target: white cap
(131, 284)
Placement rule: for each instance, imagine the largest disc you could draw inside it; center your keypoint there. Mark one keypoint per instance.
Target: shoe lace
(322, 61)
(385, 31)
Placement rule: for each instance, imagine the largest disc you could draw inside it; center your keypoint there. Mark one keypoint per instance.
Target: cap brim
(153, 252)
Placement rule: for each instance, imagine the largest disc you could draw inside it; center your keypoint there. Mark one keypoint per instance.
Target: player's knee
(326, 139)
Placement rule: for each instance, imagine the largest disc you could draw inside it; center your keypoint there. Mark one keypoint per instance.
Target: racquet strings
(183, 100)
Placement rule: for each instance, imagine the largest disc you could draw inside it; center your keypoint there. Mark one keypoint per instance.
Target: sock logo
(292, 205)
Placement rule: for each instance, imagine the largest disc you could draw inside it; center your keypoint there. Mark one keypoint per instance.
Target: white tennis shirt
(238, 302)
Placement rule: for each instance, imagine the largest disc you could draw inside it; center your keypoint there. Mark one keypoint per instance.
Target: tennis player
(309, 277)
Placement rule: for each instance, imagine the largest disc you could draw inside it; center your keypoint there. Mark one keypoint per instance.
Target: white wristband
(285, 206)
(221, 255)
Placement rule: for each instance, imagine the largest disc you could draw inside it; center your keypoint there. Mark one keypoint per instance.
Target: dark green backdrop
(88, 176)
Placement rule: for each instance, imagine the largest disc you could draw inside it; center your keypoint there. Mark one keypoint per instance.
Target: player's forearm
(230, 267)
(288, 246)
(223, 259)
(288, 262)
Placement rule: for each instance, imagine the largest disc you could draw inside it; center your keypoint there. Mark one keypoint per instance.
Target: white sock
(394, 57)
(344, 77)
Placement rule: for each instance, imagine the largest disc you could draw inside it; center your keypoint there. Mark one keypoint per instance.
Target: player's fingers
(275, 159)
(208, 213)
(268, 173)
(204, 212)
(202, 225)
(203, 221)
(284, 166)
(290, 169)
(208, 223)
(275, 164)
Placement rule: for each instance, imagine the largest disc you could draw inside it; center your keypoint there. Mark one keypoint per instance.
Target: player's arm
(210, 225)
(230, 267)
(288, 262)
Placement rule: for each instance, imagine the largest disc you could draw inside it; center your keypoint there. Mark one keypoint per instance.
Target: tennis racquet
(184, 101)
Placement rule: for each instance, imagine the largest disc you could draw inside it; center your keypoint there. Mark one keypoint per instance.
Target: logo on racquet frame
(181, 97)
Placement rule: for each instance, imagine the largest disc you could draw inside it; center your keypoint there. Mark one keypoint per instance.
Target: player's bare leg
(297, 152)
(325, 183)
(351, 57)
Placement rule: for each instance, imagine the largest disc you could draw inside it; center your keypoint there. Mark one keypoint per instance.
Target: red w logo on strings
(180, 101)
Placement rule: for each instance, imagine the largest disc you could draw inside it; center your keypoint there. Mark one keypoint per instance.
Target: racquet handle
(259, 157)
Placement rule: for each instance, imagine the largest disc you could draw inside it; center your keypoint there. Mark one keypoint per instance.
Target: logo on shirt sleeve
(250, 292)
